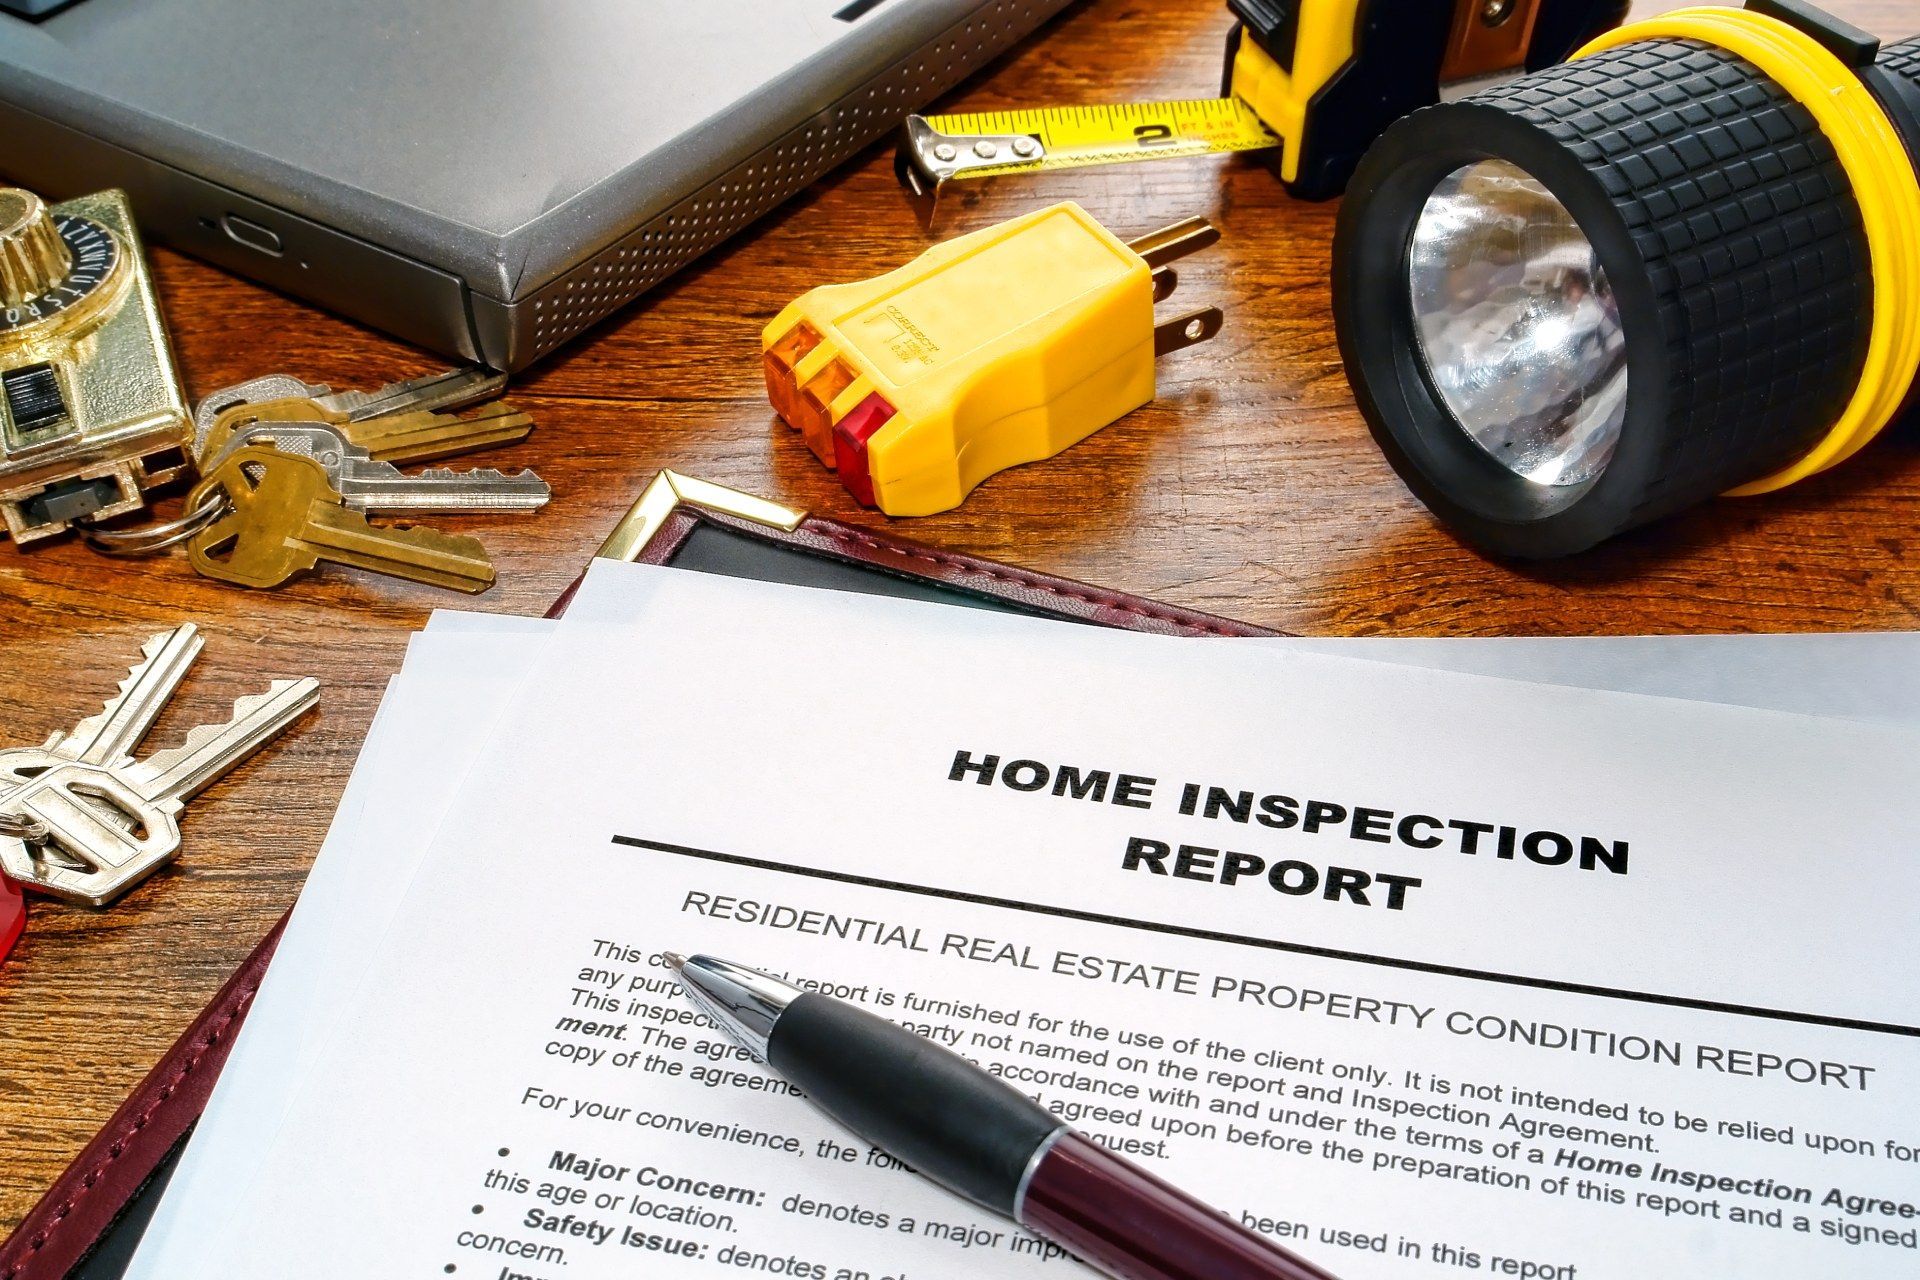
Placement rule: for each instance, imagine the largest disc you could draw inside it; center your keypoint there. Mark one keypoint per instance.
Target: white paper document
(388, 813)
(1858, 675)
(1427, 974)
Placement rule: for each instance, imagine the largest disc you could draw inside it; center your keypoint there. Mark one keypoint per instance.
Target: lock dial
(56, 269)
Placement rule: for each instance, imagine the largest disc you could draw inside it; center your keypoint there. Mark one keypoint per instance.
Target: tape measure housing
(1313, 82)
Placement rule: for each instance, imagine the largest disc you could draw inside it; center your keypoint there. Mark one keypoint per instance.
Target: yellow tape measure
(979, 144)
(1116, 133)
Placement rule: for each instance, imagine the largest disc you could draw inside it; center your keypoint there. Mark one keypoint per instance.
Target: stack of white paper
(1423, 971)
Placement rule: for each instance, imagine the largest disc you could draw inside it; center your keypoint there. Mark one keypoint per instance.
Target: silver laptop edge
(503, 295)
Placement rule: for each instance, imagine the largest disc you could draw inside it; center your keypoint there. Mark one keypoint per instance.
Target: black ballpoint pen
(977, 1136)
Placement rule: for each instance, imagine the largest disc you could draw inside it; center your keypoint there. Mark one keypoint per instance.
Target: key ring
(151, 539)
(21, 827)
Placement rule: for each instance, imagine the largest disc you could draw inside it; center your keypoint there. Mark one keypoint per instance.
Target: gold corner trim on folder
(669, 490)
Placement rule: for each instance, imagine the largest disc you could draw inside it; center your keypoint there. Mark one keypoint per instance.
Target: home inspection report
(1426, 974)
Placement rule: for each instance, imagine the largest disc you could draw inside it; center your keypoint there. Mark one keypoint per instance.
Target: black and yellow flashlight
(1683, 263)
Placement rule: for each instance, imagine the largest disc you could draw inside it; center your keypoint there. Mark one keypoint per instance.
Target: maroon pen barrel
(1115, 1215)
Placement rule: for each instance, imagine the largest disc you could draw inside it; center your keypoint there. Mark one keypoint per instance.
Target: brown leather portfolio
(88, 1224)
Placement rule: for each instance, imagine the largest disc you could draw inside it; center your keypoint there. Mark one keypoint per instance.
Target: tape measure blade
(1116, 133)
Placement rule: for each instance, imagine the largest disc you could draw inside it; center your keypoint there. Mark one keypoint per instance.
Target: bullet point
(505, 1152)
(479, 1208)
(449, 1268)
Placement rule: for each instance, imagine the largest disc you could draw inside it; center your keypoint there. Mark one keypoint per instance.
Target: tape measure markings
(1116, 133)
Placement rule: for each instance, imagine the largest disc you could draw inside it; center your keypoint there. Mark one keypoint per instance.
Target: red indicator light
(850, 436)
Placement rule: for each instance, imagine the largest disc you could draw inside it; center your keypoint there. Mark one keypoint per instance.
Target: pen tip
(675, 961)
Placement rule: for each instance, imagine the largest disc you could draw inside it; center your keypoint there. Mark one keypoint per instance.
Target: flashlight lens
(1517, 325)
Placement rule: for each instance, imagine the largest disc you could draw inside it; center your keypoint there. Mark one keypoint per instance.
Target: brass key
(286, 519)
(425, 435)
(415, 435)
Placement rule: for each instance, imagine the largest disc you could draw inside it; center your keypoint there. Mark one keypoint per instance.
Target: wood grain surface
(1249, 487)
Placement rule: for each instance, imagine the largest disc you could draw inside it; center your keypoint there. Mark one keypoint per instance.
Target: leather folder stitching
(79, 1211)
(92, 1177)
(1026, 580)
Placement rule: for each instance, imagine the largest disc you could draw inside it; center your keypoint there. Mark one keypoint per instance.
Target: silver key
(168, 779)
(117, 728)
(449, 390)
(110, 734)
(82, 820)
(274, 386)
(108, 827)
(367, 484)
(97, 837)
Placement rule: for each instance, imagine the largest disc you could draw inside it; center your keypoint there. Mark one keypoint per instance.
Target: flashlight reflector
(1683, 262)
(1517, 324)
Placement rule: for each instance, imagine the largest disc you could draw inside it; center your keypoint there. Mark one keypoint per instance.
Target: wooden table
(1249, 488)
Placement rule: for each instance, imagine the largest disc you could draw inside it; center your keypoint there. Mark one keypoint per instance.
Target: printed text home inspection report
(1427, 974)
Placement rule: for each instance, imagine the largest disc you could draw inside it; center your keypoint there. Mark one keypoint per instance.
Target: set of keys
(83, 819)
(290, 471)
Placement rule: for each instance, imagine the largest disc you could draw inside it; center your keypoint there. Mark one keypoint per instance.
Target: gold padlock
(92, 415)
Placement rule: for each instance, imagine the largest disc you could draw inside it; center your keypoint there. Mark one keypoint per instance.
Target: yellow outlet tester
(996, 348)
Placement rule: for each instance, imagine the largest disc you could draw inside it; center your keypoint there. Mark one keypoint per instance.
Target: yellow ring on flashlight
(1884, 184)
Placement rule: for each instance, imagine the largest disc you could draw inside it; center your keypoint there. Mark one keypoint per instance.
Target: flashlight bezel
(1492, 505)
